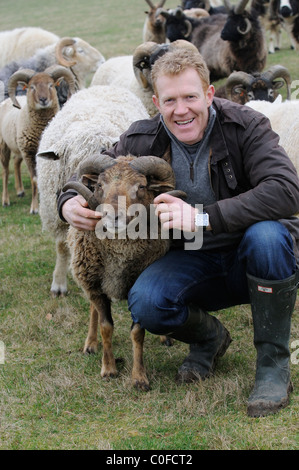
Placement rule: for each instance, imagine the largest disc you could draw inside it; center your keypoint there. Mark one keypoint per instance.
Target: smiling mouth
(184, 123)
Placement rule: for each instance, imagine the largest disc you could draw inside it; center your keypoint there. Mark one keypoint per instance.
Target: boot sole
(261, 408)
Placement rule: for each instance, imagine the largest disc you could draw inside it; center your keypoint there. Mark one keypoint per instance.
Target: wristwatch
(202, 220)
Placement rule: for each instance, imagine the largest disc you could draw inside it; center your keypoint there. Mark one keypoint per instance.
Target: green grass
(51, 395)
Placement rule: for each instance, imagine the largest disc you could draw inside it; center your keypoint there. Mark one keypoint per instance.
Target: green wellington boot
(272, 304)
(208, 340)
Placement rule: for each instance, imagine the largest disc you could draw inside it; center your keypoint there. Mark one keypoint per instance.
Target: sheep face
(85, 58)
(41, 91)
(123, 194)
(236, 27)
(116, 190)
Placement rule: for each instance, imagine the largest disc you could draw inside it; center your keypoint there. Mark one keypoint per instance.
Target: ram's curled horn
(141, 62)
(58, 71)
(157, 168)
(23, 75)
(237, 78)
(83, 191)
(278, 71)
(95, 165)
(61, 59)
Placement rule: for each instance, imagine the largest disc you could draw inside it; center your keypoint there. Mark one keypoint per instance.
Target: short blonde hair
(178, 60)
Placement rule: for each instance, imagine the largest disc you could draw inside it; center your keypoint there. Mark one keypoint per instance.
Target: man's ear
(210, 94)
(156, 102)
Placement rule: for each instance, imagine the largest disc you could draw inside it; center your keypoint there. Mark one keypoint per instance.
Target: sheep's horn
(188, 26)
(141, 62)
(247, 29)
(227, 5)
(155, 167)
(177, 193)
(23, 75)
(160, 5)
(58, 71)
(150, 4)
(278, 71)
(240, 7)
(64, 42)
(84, 191)
(95, 164)
(237, 78)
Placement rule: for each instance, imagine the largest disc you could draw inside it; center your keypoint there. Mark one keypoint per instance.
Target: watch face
(202, 220)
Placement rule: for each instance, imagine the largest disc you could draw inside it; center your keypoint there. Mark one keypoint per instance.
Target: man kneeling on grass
(228, 160)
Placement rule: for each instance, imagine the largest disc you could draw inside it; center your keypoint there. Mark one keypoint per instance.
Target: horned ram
(23, 120)
(106, 262)
(91, 119)
(242, 87)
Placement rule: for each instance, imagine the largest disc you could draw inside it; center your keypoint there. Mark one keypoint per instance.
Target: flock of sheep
(53, 121)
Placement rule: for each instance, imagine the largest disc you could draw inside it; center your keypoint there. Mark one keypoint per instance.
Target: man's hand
(173, 212)
(76, 213)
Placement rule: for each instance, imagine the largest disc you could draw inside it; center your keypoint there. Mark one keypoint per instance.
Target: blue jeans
(212, 280)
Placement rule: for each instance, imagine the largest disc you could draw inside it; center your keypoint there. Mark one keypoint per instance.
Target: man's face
(184, 105)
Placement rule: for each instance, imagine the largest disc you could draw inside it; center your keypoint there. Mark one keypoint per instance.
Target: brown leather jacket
(251, 175)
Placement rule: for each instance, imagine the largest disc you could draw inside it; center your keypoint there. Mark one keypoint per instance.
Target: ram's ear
(89, 180)
(48, 155)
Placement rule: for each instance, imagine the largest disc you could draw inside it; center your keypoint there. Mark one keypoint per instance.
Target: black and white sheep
(242, 87)
(21, 125)
(154, 24)
(236, 39)
(22, 43)
(91, 119)
(288, 12)
(107, 262)
(75, 53)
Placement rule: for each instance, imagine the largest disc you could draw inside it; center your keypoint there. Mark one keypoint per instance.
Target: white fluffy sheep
(21, 129)
(93, 118)
(22, 43)
(284, 118)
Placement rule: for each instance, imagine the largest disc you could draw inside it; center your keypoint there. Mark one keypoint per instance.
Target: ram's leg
(59, 283)
(5, 157)
(18, 178)
(91, 342)
(139, 376)
(30, 161)
(102, 306)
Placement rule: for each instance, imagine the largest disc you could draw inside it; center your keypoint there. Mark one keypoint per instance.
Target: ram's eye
(142, 186)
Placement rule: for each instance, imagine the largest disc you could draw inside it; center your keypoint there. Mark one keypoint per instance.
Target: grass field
(51, 395)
